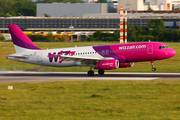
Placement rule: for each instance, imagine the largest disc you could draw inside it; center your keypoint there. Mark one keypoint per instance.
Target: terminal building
(141, 5)
(63, 24)
(94, 16)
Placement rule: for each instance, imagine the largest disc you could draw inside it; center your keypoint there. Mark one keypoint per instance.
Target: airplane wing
(84, 60)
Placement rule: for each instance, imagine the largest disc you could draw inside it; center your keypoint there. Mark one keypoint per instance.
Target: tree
(46, 15)
(157, 28)
(8, 15)
(1, 12)
(90, 38)
(50, 37)
(25, 8)
(102, 1)
(175, 35)
(97, 34)
(149, 9)
(48, 1)
(61, 1)
(17, 7)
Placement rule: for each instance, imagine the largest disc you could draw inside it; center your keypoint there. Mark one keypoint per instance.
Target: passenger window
(107, 52)
(103, 52)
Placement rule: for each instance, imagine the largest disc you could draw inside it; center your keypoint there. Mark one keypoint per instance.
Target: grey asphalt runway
(24, 76)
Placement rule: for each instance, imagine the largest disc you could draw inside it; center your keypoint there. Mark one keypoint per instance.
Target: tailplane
(21, 41)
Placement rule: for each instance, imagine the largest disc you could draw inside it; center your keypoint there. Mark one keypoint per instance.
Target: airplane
(104, 57)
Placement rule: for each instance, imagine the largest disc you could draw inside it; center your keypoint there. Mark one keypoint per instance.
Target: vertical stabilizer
(21, 41)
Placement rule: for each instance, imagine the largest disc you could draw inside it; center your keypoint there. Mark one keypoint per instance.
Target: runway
(24, 76)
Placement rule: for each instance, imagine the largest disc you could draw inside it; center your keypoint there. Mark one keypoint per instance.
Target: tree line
(10, 8)
(154, 31)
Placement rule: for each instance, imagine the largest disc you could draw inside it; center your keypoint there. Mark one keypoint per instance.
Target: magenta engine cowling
(107, 64)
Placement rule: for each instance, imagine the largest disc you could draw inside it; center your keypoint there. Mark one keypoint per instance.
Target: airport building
(94, 16)
(79, 24)
(141, 5)
(73, 9)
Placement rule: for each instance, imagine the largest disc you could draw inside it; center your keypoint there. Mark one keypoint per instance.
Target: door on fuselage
(150, 49)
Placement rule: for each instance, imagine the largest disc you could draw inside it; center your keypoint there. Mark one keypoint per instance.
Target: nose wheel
(152, 64)
(153, 69)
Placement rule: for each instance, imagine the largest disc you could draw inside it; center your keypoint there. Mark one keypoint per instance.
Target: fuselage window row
(107, 52)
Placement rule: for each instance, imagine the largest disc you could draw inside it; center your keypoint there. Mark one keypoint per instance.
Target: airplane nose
(171, 53)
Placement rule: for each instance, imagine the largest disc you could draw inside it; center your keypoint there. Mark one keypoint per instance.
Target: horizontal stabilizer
(18, 56)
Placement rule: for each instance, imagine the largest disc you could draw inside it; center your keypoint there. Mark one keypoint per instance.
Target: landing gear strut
(152, 64)
(101, 72)
(90, 72)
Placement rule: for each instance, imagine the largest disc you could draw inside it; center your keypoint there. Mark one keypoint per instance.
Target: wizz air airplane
(104, 57)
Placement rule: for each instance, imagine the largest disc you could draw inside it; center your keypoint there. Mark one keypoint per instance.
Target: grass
(167, 65)
(91, 100)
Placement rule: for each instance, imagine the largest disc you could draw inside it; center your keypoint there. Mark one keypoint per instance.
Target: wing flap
(85, 60)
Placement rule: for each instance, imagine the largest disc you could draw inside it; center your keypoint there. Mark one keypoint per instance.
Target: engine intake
(107, 65)
(126, 65)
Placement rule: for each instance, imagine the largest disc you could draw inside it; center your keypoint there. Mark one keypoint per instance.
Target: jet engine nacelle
(107, 65)
(125, 65)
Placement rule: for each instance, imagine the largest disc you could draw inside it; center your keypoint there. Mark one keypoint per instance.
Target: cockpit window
(163, 47)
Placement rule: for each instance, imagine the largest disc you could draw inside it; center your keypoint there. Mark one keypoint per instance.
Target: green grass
(167, 65)
(91, 100)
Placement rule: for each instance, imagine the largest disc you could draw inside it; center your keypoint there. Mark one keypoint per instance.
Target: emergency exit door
(150, 48)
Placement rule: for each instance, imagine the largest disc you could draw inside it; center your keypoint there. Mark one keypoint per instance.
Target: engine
(125, 65)
(107, 64)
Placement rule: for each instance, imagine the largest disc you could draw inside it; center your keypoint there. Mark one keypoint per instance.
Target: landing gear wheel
(101, 72)
(90, 73)
(152, 64)
(153, 69)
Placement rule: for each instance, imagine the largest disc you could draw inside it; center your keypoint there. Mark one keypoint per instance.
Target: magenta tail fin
(21, 40)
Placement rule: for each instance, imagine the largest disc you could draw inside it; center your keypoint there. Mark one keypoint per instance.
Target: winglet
(20, 40)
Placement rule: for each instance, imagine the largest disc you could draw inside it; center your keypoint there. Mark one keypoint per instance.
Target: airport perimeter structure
(79, 23)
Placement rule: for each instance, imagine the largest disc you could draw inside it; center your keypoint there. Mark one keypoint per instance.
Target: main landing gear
(91, 72)
(152, 64)
(101, 72)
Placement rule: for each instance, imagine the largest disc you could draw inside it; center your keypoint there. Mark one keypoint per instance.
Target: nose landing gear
(152, 64)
